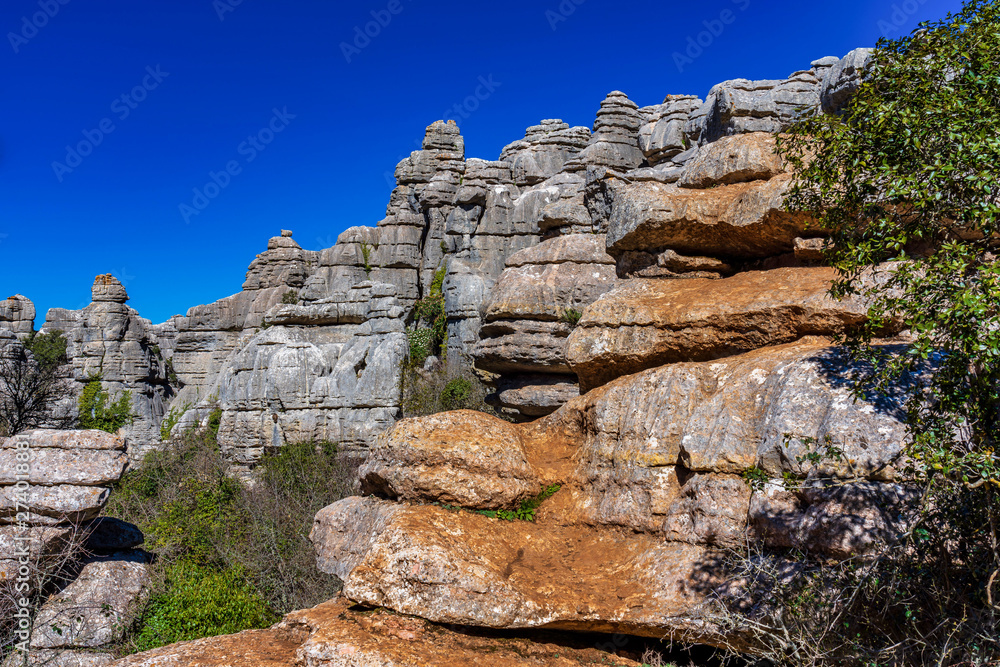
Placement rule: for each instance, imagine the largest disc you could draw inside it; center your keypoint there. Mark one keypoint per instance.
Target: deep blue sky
(118, 210)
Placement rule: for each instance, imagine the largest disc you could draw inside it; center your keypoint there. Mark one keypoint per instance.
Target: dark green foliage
(49, 349)
(230, 556)
(214, 422)
(197, 601)
(457, 393)
(429, 311)
(910, 174)
(98, 411)
(290, 298)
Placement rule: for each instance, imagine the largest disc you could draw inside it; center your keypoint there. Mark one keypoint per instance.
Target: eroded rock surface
(335, 635)
(645, 323)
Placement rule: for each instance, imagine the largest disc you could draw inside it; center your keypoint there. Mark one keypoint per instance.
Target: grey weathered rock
(842, 81)
(736, 159)
(69, 474)
(531, 311)
(17, 314)
(109, 340)
(543, 151)
(93, 610)
(615, 142)
(323, 371)
(61, 658)
(663, 136)
(741, 106)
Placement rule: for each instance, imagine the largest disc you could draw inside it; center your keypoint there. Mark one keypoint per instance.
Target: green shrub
(171, 420)
(206, 526)
(457, 393)
(98, 411)
(198, 601)
(214, 422)
(290, 298)
(48, 349)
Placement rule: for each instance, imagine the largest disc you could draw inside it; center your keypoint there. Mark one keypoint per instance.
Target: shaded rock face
(650, 471)
(45, 517)
(110, 341)
(334, 635)
(532, 310)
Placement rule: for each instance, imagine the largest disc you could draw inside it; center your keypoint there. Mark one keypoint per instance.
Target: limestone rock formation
(17, 314)
(650, 471)
(70, 474)
(532, 311)
(842, 81)
(93, 609)
(325, 371)
(112, 342)
(45, 519)
(335, 635)
(646, 323)
(737, 159)
(615, 142)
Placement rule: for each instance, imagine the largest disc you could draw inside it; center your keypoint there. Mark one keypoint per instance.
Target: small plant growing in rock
(98, 411)
(570, 316)
(171, 420)
(290, 298)
(366, 256)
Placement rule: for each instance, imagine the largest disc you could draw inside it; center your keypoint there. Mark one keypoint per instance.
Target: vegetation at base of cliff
(231, 555)
(450, 387)
(907, 184)
(29, 383)
(99, 411)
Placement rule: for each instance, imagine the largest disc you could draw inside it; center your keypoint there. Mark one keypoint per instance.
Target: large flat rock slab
(335, 635)
(742, 220)
(464, 568)
(645, 323)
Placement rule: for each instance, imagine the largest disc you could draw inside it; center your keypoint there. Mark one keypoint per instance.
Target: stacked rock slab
(17, 315)
(530, 315)
(66, 481)
(109, 341)
(650, 471)
(326, 370)
(335, 635)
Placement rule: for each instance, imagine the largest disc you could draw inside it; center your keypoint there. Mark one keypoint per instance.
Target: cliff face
(641, 293)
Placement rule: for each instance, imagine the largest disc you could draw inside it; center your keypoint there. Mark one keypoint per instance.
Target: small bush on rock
(98, 411)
